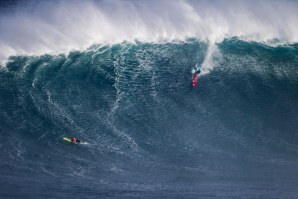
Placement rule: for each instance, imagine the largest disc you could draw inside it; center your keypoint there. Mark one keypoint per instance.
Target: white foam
(61, 26)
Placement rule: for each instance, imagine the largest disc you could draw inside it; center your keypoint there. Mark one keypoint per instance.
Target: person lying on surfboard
(75, 140)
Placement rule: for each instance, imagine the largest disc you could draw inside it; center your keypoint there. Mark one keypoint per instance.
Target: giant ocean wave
(124, 86)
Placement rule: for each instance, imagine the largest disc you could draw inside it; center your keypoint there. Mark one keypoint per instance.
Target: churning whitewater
(117, 75)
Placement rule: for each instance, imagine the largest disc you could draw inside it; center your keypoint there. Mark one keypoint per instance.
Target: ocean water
(150, 134)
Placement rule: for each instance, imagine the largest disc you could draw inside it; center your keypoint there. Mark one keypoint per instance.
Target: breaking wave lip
(61, 26)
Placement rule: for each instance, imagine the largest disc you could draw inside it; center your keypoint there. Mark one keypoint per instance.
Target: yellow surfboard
(67, 139)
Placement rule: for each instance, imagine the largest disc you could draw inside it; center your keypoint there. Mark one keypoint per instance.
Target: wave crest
(62, 26)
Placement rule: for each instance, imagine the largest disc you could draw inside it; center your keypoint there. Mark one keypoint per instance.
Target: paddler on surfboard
(75, 140)
(196, 70)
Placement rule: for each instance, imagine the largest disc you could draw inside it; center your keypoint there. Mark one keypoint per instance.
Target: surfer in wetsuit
(196, 70)
(75, 140)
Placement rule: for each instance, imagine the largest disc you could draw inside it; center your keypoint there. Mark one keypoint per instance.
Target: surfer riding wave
(196, 70)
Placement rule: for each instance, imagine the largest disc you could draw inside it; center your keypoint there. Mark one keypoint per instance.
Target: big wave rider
(196, 70)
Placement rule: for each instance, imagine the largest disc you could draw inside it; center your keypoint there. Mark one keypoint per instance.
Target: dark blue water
(150, 134)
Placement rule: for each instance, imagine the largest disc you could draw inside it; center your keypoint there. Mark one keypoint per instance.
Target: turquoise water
(151, 135)
(117, 74)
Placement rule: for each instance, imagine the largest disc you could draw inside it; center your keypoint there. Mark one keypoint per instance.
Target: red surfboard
(194, 82)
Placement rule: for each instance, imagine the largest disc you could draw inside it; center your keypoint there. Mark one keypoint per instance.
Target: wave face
(150, 134)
